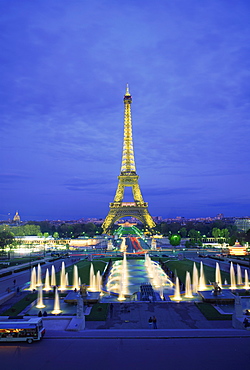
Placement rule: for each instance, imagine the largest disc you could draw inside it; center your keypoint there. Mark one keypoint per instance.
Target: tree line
(196, 231)
(221, 230)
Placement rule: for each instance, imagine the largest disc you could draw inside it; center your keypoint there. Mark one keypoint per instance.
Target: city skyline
(64, 69)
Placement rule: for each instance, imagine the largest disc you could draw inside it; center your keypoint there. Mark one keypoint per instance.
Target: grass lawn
(211, 313)
(99, 312)
(180, 267)
(18, 307)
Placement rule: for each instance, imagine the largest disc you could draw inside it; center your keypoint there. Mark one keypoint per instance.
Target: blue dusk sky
(64, 66)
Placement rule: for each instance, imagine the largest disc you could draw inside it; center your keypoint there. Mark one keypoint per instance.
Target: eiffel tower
(128, 178)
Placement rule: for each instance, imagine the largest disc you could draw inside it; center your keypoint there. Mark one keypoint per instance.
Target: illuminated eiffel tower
(128, 178)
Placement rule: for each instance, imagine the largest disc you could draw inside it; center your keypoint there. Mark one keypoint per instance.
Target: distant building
(243, 224)
(17, 218)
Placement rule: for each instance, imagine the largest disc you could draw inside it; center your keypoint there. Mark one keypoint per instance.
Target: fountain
(63, 278)
(239, 277)
(121, 296)
(129, 277)
(232, 277)
(157, 276)
(123, 281)
(75, 279)
(202, 280)
(39, 275)
(47, 286)
(177, 296)
(33, 279)
(246, 285)
(92, 283)
(40, 297)
(53, 276)
(153, 244)
(110, 245)
(195, 279)
(124, 275)
(188, 289)
(218, 275)
(98, 281)
(56, 309)
(123, 245)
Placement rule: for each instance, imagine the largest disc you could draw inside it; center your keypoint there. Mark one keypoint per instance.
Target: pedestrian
(246, 323)
(14, 281)
(150, 322)
(154, 322)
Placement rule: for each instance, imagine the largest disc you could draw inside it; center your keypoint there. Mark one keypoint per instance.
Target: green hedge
(5, 274)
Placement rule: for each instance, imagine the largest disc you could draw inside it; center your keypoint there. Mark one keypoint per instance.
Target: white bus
(27, 329)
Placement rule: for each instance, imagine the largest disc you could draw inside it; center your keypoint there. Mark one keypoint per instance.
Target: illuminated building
(128, 178)
(237, 249)
(16, 218)
(243, 224)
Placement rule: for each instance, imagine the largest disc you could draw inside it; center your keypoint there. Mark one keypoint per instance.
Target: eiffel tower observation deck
(128, 178)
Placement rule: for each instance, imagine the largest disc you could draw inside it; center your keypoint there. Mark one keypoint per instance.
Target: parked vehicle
(21, 329)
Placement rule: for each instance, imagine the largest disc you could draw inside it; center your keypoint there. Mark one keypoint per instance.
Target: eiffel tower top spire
(127, 91)
(128, 160)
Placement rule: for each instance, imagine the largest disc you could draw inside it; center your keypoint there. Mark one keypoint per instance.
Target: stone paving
(169, 316)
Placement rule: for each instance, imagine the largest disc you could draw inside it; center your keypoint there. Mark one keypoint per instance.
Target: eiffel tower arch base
(116, 212)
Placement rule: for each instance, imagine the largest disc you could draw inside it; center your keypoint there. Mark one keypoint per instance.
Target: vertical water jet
(56, 309)
(40, 303)
(33, 279)
(47, 286)
(53, 276)
(39, 275)
(188, 289)
(218, 275)
(75, 278)
(239, 277)
(232, 277)
(177, 296)
(246, 285)
(202, 280)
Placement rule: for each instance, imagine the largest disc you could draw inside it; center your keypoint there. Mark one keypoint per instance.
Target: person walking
(150, 322)
(154, 322)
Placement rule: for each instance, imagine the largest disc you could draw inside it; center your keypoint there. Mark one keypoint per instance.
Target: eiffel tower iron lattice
(128, 178)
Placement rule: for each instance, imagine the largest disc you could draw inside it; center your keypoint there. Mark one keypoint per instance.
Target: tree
(183, 232)
(55, 235)
(216, 232)
(175, 240)
(6, 238)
